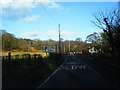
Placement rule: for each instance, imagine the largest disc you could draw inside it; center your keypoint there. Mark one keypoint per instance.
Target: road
(74, 73)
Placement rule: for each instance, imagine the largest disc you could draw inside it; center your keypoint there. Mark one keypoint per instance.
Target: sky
(37, 19)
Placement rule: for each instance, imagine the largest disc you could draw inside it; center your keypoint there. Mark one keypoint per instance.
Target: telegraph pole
(69, 47)
(59, 39)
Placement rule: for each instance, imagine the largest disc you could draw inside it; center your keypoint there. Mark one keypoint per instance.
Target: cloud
(29, 18)
(54, 5)
(67, 33)
(52, 33)
(16, 9)
(30, 34)
(64, 33)
(18, 4)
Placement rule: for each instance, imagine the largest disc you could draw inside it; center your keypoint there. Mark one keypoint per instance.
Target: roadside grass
(5, 53)
(23, 74)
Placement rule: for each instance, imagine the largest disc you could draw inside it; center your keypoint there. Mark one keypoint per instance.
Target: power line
(49, 15)
(59, 45)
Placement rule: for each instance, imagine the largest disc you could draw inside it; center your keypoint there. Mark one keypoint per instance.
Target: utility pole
(59, 39)
(69, 47)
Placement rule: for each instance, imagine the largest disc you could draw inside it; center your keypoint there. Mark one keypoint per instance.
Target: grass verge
(27, 75)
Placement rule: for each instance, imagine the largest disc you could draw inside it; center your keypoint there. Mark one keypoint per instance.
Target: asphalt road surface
(74, 73)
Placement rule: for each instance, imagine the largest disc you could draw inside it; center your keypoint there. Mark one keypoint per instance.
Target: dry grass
(5, 53)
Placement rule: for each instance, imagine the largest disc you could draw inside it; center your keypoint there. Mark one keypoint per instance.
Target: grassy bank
(5, 53)
(28, 73)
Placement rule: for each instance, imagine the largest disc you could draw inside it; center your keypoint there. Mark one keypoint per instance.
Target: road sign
(49, 49)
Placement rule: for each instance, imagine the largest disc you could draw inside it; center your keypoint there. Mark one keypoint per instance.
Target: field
(5, 53)
(26, 69)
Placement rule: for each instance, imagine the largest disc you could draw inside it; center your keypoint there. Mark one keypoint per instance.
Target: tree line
(11, 43)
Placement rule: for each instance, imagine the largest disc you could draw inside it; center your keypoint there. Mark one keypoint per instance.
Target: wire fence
(24, 58)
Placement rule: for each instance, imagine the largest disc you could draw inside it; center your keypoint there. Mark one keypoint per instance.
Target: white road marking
(74, 67)
(51, 75)
(80, 67)
(67, 68)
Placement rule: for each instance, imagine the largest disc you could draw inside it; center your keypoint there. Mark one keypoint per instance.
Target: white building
(93, 50)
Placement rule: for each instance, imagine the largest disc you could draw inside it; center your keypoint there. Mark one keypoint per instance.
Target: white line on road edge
(50, 75)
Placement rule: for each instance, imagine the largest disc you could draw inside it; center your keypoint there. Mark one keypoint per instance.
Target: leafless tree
(93, 38)
(109, 22)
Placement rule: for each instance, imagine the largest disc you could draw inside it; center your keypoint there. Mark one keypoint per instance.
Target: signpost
(49, 49)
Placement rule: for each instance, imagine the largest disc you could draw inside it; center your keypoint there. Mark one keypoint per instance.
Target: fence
(29, 68)
(24, 58)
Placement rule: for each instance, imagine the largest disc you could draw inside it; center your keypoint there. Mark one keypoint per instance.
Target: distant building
(93, 50)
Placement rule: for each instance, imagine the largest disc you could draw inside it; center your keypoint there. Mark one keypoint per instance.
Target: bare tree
(93, 38)
(79, 39)
(109, 22)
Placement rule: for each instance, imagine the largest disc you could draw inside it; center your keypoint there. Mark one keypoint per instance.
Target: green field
(20, 53)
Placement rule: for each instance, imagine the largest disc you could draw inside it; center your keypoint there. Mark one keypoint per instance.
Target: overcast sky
(38, 19)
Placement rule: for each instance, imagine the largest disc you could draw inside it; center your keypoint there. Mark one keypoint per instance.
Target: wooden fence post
(35, 56)
(39, 57)
(9, 56)
(9, 64)
(16, 57)
(29, 58)
(29, 63)
(2, 59)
